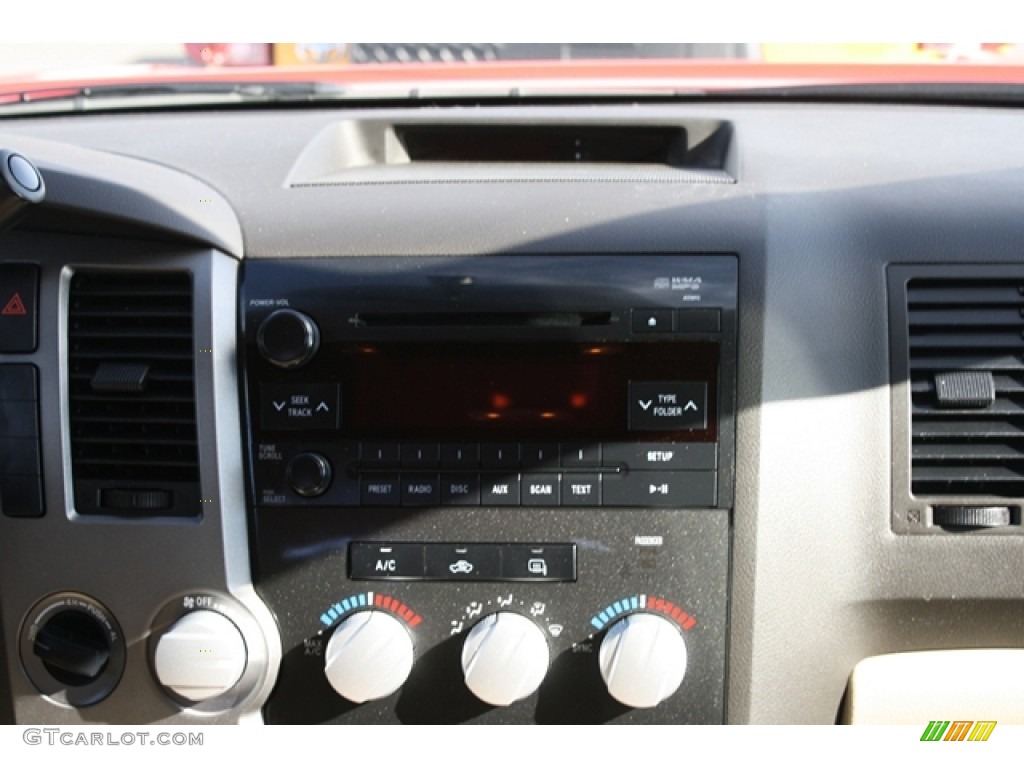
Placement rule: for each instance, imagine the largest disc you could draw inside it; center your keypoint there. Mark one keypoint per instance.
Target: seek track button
(301, 406)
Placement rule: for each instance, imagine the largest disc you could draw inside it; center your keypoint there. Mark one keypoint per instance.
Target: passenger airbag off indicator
(665, 406)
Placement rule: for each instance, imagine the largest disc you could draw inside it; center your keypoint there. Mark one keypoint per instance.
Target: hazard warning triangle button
(18, 291)
(15, 306)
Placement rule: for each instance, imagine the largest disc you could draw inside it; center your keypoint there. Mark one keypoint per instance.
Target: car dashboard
(510, 413)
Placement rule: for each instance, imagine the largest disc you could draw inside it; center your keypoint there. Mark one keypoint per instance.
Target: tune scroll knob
(642, 660)
(201, 656)
(368, 657)
(288, 339)
(309, 474)
(505, 658)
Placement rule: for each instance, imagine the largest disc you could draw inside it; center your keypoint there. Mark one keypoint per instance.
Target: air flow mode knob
(288, 339)
(505, 658)
(642, 660)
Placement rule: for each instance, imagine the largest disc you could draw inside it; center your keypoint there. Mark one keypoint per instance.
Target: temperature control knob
(201, 656)
(369, 656)
(642, 660)
(288, 339)
(505, 658)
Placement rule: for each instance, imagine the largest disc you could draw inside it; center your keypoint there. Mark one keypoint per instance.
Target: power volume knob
(504, 659)
(368, 657)
(288, 339)
(202, 656)
(642, 660)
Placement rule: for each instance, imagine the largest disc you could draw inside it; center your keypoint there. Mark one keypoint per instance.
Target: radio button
(380, 454)
(661, 455)
(550, 562)
(497, 491)
(540, 490)
(419, 455)
(420, 490)
(460, 490)
(460, 455)
(659, 489)
(381, 490)
(581, 490)
(664, 406)
(540, 455)
(499, 455)
(473, 562)
(370, 560)
(651, 320)
(581, 454)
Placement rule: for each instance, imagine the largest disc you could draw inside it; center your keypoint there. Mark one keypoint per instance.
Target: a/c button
(383, 562)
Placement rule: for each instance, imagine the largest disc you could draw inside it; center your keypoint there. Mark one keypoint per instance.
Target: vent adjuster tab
(964, 389)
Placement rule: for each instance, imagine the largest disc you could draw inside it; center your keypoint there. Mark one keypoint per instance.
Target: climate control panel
(632, 630)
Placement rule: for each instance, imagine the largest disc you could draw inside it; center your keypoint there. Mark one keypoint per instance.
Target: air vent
(132, 394)
(966, 386)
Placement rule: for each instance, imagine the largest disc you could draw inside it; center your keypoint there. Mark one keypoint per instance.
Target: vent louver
(966, 386)
(132, 394)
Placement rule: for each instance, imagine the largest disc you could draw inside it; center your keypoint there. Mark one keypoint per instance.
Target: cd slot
(484, 319)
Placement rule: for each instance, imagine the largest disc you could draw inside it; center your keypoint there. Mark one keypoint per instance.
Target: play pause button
(659, 489)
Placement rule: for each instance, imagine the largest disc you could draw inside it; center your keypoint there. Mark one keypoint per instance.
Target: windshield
(89, 61)
(84, 76)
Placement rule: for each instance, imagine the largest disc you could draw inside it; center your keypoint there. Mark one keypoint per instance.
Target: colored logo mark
(958, 730)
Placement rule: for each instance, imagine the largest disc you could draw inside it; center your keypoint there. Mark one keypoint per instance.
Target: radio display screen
(514, 391)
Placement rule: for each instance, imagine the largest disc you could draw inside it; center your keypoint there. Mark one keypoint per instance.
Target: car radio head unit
(453, 455)
(440, 365)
